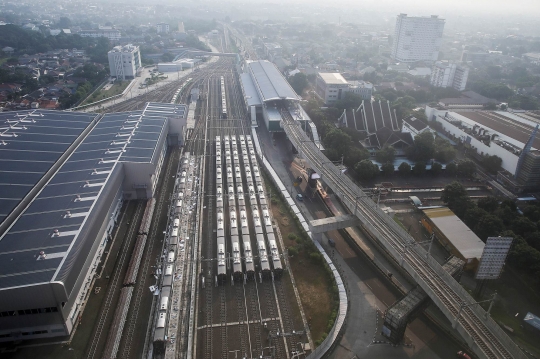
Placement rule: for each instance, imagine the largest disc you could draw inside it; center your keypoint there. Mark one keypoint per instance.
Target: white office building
(445, 74)
(331, 87)
(417, 38)
(124, 61)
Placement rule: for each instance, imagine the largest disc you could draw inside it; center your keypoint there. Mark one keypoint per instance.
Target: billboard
(493, 257)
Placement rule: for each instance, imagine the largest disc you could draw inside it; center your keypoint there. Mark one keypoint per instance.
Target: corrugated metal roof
(250, 91)
(77, 186)
(270, 83)
(30, 143)
(457, 232)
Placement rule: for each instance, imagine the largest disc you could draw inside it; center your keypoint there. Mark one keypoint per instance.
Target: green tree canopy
(423, 147)
(436, 168)
(366, 169)
(489, 226)
(419, 168)
(338, 140)
(349, 100)
(466, 168)
(489, 204)
(404, 168)
(456, 197)
(492, 163)
(444, 152)
(386, 154)
(451, 169)
(388, 168)
(473, 215)
(298, 82)
(355, 155)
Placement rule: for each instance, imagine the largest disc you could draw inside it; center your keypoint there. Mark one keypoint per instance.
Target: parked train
(223, 99)
(273, 252)
(168, 268)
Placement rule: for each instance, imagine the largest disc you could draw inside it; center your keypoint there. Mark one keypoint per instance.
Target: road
(369, 291)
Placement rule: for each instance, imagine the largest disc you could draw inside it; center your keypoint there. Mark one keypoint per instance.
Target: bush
(293, 251)
(291, 236)
(316, 257)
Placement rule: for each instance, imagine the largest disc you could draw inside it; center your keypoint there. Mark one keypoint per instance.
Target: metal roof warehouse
(459, 239)
(71, 172)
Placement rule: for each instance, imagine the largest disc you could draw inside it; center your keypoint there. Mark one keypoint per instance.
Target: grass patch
(314, 280)
(399, 222)
(115, 89)
(508, 304)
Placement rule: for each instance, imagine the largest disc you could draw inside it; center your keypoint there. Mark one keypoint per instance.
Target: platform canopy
(270, 83)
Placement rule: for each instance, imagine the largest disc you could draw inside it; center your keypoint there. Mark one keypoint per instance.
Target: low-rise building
(414, 126)
(362, 88)
(111, 34)
(331, 87)
(533, 57)
(272, 51)
(454, 235)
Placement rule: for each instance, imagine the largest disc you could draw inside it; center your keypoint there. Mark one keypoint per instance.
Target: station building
(65, 176)
(454, 235)
(269, 97)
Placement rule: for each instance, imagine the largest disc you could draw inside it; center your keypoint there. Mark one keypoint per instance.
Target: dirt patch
(312, 279)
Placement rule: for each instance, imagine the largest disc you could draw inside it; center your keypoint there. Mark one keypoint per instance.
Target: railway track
(115, 283)
(380, 225)
(140, 287)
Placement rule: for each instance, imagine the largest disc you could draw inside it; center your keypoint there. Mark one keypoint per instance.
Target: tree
(64, 23)
(492, 163)
(366, 169)
(488, 226)
(473, 215)
(436, 168)
(533, 239)
(444, 152)
(298, 82)
(488, 204)
(167, 57)
(490, 106)
(419, 168)
(338, 140)
(451, 169)
(523, 225)
(456, 197)
(404, 168)
(355, 155)
(349, 100)
(388, 168)
(466, 168)
(423, 147)
(386, 154)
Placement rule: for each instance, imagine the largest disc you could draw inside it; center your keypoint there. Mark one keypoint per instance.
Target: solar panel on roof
(74, 188)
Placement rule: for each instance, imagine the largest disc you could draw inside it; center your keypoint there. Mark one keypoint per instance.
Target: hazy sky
(421, 7)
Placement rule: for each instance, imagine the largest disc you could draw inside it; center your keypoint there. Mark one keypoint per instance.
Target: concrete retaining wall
(335, 333)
